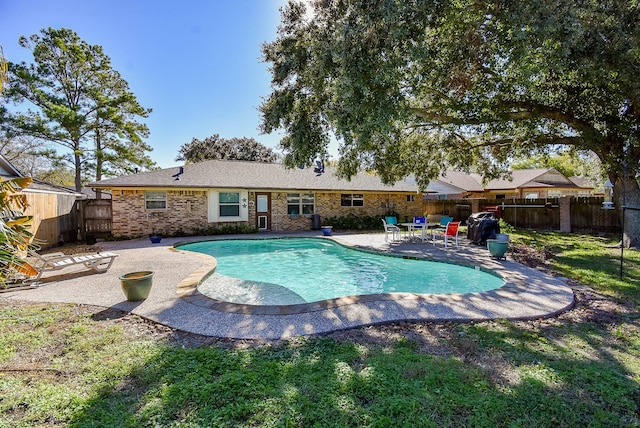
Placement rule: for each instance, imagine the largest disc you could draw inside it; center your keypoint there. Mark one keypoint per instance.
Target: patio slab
(176, 302)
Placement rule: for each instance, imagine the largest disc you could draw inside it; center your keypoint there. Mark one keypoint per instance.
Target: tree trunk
(627, 193)
(78, 165)
(98, 162)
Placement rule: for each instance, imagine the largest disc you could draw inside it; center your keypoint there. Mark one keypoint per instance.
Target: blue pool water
(298, 270)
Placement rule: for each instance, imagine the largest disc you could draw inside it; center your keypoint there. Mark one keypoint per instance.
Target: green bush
(354, 222)
(506, 227)
(227, 229)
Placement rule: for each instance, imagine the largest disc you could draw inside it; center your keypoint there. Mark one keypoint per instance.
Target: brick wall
(328, 204)
(186, 211)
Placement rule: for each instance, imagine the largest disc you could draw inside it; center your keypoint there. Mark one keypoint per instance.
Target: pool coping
(514, 284)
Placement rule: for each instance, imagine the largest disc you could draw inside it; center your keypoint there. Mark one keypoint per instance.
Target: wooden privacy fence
(55, 218)
(587, 216)
(567, 214)
(460, 209)
(539, 214)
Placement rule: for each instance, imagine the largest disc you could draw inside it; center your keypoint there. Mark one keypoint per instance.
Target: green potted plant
(136, 285)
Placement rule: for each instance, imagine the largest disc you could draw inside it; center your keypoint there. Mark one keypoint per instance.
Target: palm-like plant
(15, 234)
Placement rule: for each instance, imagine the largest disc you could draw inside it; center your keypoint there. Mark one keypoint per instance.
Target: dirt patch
(71, 249)
(530, 256)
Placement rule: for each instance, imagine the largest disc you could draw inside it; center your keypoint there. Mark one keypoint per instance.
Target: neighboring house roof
(462, 180)
(520, 178)
(7, 170)
(89, 193)
(250, 175)
(38, 186)
(527, 178)
(581, 182)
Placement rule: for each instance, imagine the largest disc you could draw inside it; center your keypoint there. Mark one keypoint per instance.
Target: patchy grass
(72, 365)
(590, 260)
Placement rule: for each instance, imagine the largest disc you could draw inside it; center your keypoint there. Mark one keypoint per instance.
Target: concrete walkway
(176, 302)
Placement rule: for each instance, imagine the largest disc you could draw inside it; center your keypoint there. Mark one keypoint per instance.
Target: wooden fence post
(565, 214)
(475, 205)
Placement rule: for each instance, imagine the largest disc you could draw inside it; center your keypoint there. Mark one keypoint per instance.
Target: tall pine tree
(81, 103)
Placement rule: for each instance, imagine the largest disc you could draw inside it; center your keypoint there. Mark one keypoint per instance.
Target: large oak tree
(417, 86)
(216, 147)
(81, 103)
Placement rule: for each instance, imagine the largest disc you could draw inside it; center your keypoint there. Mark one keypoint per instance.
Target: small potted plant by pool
(326, 230)
(155, 237)
(136, 285)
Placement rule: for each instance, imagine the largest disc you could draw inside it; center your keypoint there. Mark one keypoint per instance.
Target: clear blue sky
(196, 63)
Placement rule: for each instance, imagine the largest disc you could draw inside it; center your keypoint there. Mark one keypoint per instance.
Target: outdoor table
(411, 228)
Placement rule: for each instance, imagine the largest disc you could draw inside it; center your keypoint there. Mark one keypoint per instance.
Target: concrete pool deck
(174, 300)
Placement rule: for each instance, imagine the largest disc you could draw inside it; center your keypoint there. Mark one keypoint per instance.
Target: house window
(531, 196)
(229, 204)
(352, 200)
(300, 203)
(411, 198)
(155, 200)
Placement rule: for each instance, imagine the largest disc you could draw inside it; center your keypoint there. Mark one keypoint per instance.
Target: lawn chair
(419, 224)
(97, 262)
(451, 231)
(444, 220)
(390, 228)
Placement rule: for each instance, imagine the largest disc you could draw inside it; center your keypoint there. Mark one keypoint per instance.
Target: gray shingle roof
(250, 175)
(462, 180)
(520, 178)
(527, 178)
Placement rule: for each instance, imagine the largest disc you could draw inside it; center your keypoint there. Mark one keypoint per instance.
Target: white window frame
(352, 197)
(305, 203)
(214, 206)
(234, 204)
(155, 196)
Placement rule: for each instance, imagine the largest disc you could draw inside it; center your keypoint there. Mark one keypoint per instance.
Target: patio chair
(450, 232)
(444, 220)
(419, 224)
(390, 228)
(97, 262)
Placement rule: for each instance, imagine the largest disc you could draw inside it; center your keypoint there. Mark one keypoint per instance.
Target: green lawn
(65, 365)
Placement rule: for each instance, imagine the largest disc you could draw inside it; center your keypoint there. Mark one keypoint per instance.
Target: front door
(263, 211)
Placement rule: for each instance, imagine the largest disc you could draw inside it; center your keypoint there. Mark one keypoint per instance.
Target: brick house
(268, 196)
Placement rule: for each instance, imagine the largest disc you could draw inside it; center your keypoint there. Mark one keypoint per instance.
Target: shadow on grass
(498, 374)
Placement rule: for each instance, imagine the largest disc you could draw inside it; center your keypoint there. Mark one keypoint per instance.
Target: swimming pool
(287, 271)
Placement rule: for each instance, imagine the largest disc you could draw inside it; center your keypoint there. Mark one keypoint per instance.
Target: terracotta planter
(136, 285)
(497, 248)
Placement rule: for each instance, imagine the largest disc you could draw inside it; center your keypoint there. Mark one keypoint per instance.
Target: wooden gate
(97, 217)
